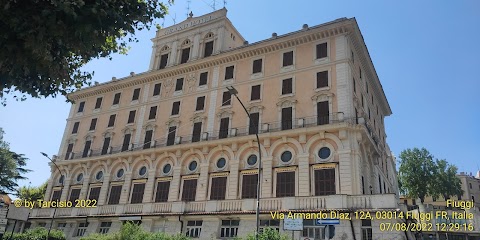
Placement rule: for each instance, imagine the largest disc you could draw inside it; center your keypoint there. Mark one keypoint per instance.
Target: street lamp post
(234, 92)
(55, 209)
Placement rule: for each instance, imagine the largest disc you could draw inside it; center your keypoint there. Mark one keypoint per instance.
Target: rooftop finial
(190, 15)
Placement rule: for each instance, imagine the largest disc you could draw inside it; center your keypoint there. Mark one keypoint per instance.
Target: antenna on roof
(188, 7)
(224, 3)
(174, 19)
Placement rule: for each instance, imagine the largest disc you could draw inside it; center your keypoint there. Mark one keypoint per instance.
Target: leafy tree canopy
(131, 231)
(32, 193)
(447, 184)
(46, 43)
(38, 233)
(11, 167)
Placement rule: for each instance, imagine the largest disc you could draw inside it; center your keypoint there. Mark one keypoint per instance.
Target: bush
(130, 231)
(38, 234)
(269, 234)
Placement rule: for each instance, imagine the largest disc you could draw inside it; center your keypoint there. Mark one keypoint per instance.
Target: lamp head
(44, 154)
(232, 90)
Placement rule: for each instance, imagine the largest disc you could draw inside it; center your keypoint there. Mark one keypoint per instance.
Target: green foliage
(130, 231)
(38, 234)
(32, 193)
(447, 184)
(46, 43)
(269, 234)
(11, 167)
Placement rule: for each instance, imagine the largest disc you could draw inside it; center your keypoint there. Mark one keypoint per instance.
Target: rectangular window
(287, 118)
(86, 149)
(136, 94)
(81, 107)
(208, 49)
(98, 103)
(360, 72)
(156, 89)
(61, 226)
(69, 151)
(197, 131)
(287, 59)
(194, 228)
(274, 224)
(75, 127)
(287, 86)
(226, 98)
(229, 72)
(74, 195)
(367, 230)
(219, 188)
(254, 121)
(321, 50)
(354, 86)
(131, 116)
(229, 228)
(163, 189)
(322, 79)
(203, 79)
(171, 135)
(153, 113)
(56, 195)
(82, 229)
(148, 139)
(94, 193)
(311, 231)
(115, 192)
(249, 186)
(106, 145)
(163, 61)
(257, 66)
(255, 95)
(179, 85)
(200, 103)
(176, 108)
(111, 120)
(325, 182)
(185, 55)
(104, 227)
(224, 122)
(189, 190)
(93, 124)
(323, 113)
(126, 142)
(137, 193)
(285, 184)
(116, 98)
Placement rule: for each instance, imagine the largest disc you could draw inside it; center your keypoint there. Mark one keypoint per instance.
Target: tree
(38, 233)
(269, 234)
(46, 43)
(11, 167)
(131, 231)
(447, 184)
(32, 193)
(416, 173)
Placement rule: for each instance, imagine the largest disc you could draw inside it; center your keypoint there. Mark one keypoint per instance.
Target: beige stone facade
(180, 154)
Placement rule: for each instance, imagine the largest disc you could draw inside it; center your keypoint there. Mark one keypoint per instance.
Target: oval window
(286, 156)
(221, 163)
(192, 166)
(99, 175)
(79, 177)
(324, 152)
(142, 171)
(120, 173)
(167, 168)
(252, 159)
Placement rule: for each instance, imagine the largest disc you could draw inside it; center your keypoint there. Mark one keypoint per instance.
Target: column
(221, 40)
(303, 175)
(126, 188)
(202, 182)
(48, 193)
(345, 172)
(174, 184)
(196, 47)
(267, 177)
(84, 190)
(65, 190)
(232, 188)
(102, 198)
(149, 187)
(173, 54)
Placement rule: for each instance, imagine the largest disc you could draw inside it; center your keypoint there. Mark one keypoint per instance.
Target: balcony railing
(313, 203)
(214, 135)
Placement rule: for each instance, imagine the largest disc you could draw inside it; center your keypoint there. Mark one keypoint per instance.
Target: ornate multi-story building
(172, 150)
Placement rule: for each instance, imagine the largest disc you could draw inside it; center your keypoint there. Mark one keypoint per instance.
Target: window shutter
(200, 103)
(208, 49)
(185, 55)
(255, 92)
(179, 84)
(115, 192)
(323, 115)
(257, 66)
(218, 189)
(98, 103)
(229, 72)
(126, 142)
(321, 50)
(75, 127)
(137, 193)
(287, 87)
(93, 124)
(163, 189)
(285, 184)
(156, 89)
(171, 135)
(249, 186)
(163, 61)
(286, 118)
(111, 120)
(74, 195)
(81, 106)
(176, 108)
(136, 94)
(325, 182)
(94, 193)
(87, 148)
(203, 79)
(131, 116)
(148, 139)
(189, 190)
(197, 131)
(116, 98)
(153, 112)
(288, 59)
(226, 98)
(322, 79)
(224, 127)
(106, 144)
(253, 125)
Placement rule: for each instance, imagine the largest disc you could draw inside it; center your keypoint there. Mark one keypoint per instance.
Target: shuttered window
(148, 139)
(137, 193)
(322, 79)
(325, 182)
(75, 127)
(136, 94)
(257, 66)
(116, 98)
(189, 190)
(114, 197)
(253, 125)
(197, 131)
(163, 189)
(94, 193)
(179, 84)
(249, 186)
(171, 135)
(74, 195)
(153, 113)
(163, 61)
(106, 144)
(200, 103)
(126, 142)
(156, 89)
(131, 116)
(203, 79)
(93, 124)
(208, 49)
(285, 184)
(81, 107)
(288, 59)
(56, 195)
(323, 113)
(69, 151)
(219, 188)
(111, 120)
(86, 149)
(287, 86)
(98, 103)
(224, 127)
(226, 98)
(286, 118)
(229, 72)
(255, 95)
(185, 55)
(321, 50)
(176, 108)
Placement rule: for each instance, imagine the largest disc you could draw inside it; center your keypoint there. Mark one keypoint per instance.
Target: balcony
(269, 127)
(245, 206)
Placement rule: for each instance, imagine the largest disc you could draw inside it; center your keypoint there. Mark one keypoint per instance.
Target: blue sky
(426, 53)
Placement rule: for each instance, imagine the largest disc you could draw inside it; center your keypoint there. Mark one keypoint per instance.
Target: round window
(324, 152)
(61, 179)
(167, 168)
(192, 166)
(79, 177)
(142, 171)
(221, 163)
(120, 173)
(252, 159)
(286, 156)
(99, 175)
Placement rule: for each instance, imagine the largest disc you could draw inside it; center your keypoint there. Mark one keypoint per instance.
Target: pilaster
(84, 190)
(267, 177)
(48, 193)
(173, 54)
(65, 190)
(345, 172)
(196, 47)
(232, 187)
(202, 190)
(303, 175)
(174, 184)
(149, 187)
(102, 198)
(126, 188)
